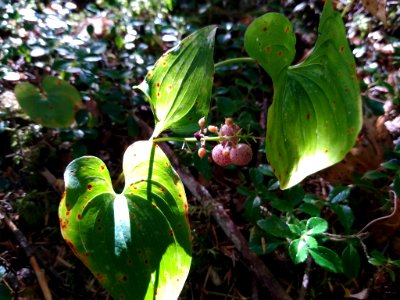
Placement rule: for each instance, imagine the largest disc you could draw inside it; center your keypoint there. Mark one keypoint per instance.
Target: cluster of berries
(229, 150)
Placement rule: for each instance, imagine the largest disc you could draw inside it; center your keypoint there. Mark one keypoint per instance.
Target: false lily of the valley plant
(137, 243)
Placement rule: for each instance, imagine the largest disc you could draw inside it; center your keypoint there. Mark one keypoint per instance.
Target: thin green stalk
(235, 61)
(174, 139)
(194, 140)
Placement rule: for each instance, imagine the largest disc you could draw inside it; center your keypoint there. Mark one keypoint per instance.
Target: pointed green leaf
(55, 108)
(136, 243)
(326, 258)
(179, 86)
(316, 225)
(316, 112)
(298, 251)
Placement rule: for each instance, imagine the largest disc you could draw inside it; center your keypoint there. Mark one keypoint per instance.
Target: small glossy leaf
(351, 261)
(179, 86)
(345, 215)
(298, 251)
(311, 242)
(316, 112)
(54, 108)
(137, 243)
(326, 258)
(316, 225)
(339, 194)
(275, 226)
(296, 228)
(377, 258)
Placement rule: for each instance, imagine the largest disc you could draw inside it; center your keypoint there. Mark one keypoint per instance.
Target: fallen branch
(23, 242)
(251, 260)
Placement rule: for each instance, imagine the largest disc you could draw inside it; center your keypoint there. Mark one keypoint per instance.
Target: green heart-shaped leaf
(136, 243)
(179, 86)
(316, 112)
(55, 109)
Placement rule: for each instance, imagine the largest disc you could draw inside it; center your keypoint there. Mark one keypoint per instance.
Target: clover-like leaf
(136, 243)
(326, 258)
(179, 86)
(55, 107)
(316, 112)
(298, 250)
(316, 225)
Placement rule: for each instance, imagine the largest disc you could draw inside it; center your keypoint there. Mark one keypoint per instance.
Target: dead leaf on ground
(367, 154)
(377, 8)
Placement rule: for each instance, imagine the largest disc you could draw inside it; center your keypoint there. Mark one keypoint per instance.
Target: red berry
(241, 155)
(219, 157)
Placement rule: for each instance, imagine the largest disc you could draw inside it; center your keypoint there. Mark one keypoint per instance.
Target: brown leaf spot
(63, 224)
(308, 116)
(158, 84)
(279, 53)
(265, 29)
(102, 168)
(100, 277)
(158, 94)
(171, 232)
(79, 217)
(341, 49)
(286, 29)
(326, 151)
(268, 49)
(89, 187)
(130, 261)
(148, 75)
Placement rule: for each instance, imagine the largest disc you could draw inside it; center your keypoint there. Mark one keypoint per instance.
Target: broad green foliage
(136, 243)
(55, 107)
(179, 86)
(316, 112)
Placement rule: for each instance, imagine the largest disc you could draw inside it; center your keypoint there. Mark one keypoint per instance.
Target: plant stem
(347, 8)
(234, 61)
(194, 140)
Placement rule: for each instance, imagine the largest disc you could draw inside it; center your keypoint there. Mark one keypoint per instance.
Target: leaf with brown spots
(179, 86)
(316, 112)
(136, 243)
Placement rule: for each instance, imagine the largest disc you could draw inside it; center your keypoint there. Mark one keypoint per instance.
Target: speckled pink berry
(241, 155)
(218, 156)
(229, 130)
